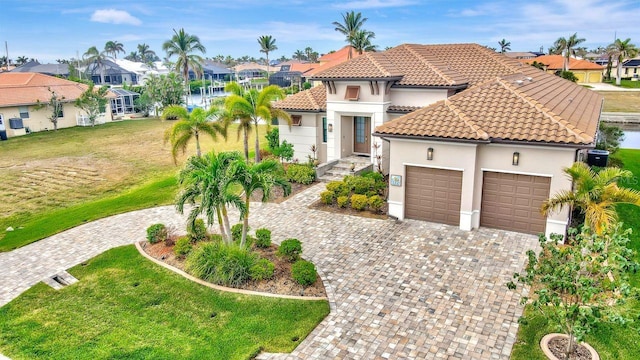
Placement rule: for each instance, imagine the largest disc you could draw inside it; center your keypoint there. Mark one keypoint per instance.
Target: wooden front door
(362, 134)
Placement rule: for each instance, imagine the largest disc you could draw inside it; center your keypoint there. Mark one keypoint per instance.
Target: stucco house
(19, 96)
(585, 70)
(631, 68)
(469, 137)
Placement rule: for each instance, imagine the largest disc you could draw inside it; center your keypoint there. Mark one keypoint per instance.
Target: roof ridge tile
(470, 123)
(422, 59)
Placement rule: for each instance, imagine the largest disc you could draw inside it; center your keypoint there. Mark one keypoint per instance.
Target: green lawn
(125, 307)
(626, 84)
(611, 341)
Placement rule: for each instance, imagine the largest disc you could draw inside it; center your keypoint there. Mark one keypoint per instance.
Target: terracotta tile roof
(366, 66)
(303, 67)
(402, 109)
(27, 88)
(340, 55)
(544, 109)
(556, 62)
(314, 99)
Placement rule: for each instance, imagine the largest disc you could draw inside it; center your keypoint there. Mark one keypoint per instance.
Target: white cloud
(373, 4)
(113, 16)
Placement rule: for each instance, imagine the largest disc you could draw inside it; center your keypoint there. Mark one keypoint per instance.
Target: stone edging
(544, 345)
(223, 288)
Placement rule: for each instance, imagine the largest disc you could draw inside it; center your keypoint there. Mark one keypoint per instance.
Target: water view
(631, 136)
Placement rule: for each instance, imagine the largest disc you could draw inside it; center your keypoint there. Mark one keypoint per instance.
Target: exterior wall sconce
(430, 154)
(330, 127)
(516, 159)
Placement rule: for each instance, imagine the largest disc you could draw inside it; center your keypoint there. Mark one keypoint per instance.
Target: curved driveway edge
(406, 289)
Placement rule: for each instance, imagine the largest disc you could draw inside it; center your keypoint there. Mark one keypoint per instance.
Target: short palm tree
(258, 176)
(192, 125)
(21, 60)
(267, 45)
(249, 106)
(113, 48)
(362, 41)
(594, 195)
(184, 46)
(504, 46)
(299, 55)
(622, 50)
(146, 54)
(351, 23)
(206, 183)
(567, 47)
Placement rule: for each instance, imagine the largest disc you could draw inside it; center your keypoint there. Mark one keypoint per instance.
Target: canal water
(631, 136)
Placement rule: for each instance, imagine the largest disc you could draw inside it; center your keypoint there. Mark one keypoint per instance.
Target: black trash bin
(597, 158)
(3, 135)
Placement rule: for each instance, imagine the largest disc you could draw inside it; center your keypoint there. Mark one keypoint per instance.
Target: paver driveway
(397, 289)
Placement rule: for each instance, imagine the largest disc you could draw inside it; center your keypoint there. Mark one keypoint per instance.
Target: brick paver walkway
(406, 289)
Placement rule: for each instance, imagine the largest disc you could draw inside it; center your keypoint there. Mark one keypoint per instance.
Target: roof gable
(314, 99)
(27, 88)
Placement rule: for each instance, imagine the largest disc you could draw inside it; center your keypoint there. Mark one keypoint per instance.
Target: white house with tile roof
(470, 137)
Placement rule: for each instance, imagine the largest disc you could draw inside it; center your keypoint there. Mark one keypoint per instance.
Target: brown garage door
(433, 195)
(512, 202)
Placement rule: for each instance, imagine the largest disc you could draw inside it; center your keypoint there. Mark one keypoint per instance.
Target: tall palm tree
(622, 50)
(146, 54)
(207, 184)
(258, 176)
(113, 48)
(567, 47)
(267, 44)
(249, 106)
(192, 125)
(362, 41)
(351, 23)
(184, 46)
(133, 56)
(594, 195)
(299, 54)
(96, 58)
(504, 46)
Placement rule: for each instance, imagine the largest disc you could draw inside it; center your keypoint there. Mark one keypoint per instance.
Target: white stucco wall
(37, 120)
(303, 136)
(416, 97)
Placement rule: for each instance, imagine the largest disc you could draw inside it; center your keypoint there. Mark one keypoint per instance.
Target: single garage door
(433, 195)
(513, 201)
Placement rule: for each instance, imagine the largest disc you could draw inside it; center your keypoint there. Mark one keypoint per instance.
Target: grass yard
(621, 101)
(125, 307)
(53, 181)
(626, 84)
(611, 341)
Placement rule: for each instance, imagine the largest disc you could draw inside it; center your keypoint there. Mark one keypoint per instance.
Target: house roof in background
(50, 69)
(556, 62)
(339, 55)
(631, 63)
(314, 99)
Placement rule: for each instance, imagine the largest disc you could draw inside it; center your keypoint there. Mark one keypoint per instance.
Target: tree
(575, 286)
(96, 58)
(192, 125)
(258, 176)
(183, 46)
(362, 41)
(249, 106)
(351, 23)
(54, 105)
(133, 56)
(267, 44)
(609, 137)
(207, 184)
(595, 195)
(504, 46)
(93, 102)
(622, 50)
(299, 55)
(113, 48)
(567, 47)
(21, 60)
(146, 54)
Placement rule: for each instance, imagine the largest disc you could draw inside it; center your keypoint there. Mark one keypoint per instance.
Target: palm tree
(97, 58)
(351, 23)
(299, 54)
(249, 106)
(21, 60)
(362, 41)
(267, 44)
(258, 176)
(146, 54)
(595, 195)
(207, 185)
(191, 125)
(133, 56)
(504, 46)
(183, 46)
(567, 47)
(622, 50)
(113, 48)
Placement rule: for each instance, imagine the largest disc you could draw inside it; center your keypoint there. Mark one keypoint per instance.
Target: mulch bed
(277, 195)
(382, 214)
(282, 283)
(558, 346)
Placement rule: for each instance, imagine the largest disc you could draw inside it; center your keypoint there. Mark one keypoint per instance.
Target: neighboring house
(469, 137)
(585, 70)
(60, 70)
(19, 96)
(212, 71)
(250, 70)
(630, 68)
(112, 73)
(521, 55)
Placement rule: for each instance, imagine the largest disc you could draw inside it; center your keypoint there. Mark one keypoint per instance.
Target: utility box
(597, 157)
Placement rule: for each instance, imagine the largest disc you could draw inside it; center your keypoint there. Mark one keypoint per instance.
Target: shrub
(263, 269)
(220, 263)
(284, 151)
(376, 176)
(362, 185)
(304, 272)
(343, 201)
(263, 238)
(197, 231)
(236, 232)
(215, 237)
(156, 233)
(183, 246)
(301, 173)
(327, 197)
(375, 203)
(359, 202)
(340, 188)
(273, 138)
(290, 249)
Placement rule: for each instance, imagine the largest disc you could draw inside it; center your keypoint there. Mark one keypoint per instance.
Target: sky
(48, 30)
